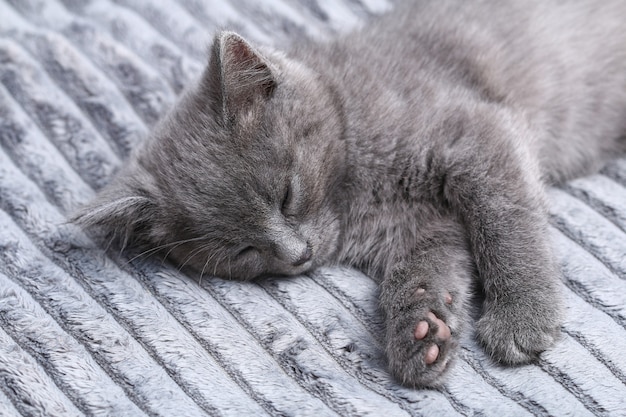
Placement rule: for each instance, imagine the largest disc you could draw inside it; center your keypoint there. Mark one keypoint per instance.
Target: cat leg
(424, 299)
(494, 185)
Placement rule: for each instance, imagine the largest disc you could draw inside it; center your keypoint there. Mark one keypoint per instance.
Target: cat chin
(299, 270)
(248, 273)
(281, 269)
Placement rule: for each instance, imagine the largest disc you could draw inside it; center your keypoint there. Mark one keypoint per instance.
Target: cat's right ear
(238, 75)
(119, 212)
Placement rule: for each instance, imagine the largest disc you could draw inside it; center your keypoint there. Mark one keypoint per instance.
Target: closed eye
(287, 200)
(292, 197)
(245, 251)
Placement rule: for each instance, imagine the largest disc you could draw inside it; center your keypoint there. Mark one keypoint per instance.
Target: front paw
(422, 339)
(516, 331)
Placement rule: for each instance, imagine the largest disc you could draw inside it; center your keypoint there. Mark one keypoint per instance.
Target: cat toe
(441, 334)
(443, 330)
(513, 336)
(431, 354)
(421, 330)
(422, 358)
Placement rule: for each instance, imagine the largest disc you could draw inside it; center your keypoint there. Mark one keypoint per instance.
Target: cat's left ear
(240, 73)
(120, 211)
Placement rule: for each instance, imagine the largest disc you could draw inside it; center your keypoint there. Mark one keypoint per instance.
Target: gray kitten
(417, 150)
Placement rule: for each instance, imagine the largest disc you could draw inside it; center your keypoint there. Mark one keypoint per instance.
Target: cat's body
(512, 59)
(416, 150)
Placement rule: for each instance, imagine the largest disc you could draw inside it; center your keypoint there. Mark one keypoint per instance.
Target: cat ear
(243, 74)
(117, 212)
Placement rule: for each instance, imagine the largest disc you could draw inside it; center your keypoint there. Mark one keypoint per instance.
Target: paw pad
(441, 330)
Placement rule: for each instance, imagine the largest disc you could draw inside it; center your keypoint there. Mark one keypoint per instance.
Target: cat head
(243, 177)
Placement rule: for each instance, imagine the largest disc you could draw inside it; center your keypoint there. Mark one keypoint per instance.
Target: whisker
(206, 241)
(144, 253)
(208, 259)
(158, 248)
(170, 251)
(109, 243)
(192, 254)
(220, 260)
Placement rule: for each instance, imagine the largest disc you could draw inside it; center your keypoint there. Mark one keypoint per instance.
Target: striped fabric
(86, 333)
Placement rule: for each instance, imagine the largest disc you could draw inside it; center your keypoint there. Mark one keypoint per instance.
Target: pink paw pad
(423, 327)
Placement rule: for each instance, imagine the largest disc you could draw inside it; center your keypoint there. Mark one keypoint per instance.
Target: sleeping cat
(416, 149)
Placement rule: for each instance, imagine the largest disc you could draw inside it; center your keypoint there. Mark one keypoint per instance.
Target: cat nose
(293, 250)
(304, 256)
(288, 245)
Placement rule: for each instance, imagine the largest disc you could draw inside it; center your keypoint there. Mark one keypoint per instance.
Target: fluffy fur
(416, 150)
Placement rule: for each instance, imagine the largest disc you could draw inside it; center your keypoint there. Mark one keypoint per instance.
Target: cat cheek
(251, 266)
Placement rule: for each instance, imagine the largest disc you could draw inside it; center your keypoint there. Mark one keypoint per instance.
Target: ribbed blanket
(89, 332)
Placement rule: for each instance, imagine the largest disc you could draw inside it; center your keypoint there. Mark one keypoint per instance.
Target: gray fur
(417, 150)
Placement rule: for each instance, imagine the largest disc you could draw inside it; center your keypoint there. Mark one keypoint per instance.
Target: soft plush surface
(82, 332)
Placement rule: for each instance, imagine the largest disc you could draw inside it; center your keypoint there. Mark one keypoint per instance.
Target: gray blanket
(84, 332)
